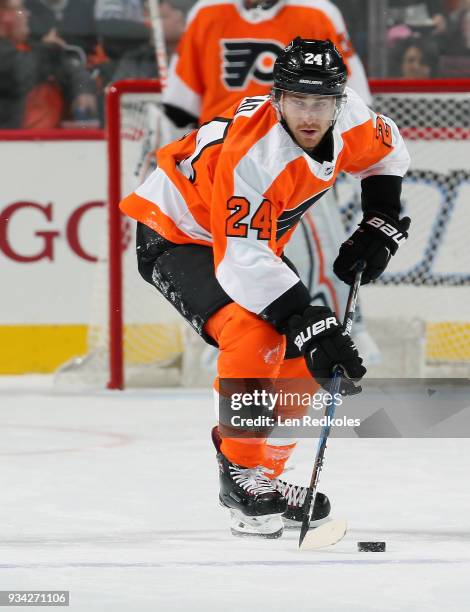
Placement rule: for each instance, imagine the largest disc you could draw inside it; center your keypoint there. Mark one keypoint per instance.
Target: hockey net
(419, 311)
(134, 337)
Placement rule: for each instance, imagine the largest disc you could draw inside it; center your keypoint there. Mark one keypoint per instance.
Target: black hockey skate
(295, 496)
(256, 507)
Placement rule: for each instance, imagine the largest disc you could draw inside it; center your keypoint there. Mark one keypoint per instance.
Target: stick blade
(325, 535)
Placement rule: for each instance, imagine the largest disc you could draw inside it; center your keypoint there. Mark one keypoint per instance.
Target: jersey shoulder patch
(250, 105)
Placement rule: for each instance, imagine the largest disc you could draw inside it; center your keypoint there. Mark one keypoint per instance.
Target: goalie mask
(258, 4)
(310, 79)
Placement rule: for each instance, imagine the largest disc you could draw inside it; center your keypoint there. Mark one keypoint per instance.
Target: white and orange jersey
(227, 52)
(241, 184)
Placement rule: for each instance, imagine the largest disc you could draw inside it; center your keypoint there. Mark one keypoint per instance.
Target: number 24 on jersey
(261, 220)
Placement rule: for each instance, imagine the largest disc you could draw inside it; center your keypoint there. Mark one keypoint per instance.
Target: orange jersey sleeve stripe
(360, 138)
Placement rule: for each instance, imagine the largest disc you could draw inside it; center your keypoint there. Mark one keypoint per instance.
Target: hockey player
(215, 216)
(228, 50)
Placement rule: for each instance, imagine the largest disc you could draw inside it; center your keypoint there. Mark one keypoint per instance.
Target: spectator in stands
(121, 27)
(68, 22)
(460, 38)
(39, 83)
(455, 62)
(457, 7)
(415, 58)
(423, 14)
(409, 19)
(129, 10)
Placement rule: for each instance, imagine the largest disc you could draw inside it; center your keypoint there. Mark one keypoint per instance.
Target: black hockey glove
(320, 338)
(375, 241)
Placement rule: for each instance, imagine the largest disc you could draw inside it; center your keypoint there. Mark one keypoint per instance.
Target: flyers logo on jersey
(243, 60)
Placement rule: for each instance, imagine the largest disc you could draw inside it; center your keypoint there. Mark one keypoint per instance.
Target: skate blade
(290, 524)
(326, 535)
(268, 526)
(265, 536)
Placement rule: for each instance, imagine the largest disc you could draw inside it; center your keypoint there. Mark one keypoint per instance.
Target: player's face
(414, 65)
(308, 117)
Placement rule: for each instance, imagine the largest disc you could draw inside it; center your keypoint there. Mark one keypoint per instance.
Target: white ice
(113, 496)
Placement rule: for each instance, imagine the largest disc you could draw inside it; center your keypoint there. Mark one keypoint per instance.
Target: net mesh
(429, 277)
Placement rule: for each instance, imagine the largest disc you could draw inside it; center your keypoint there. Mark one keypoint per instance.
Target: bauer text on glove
(320, 338)
(375, 241)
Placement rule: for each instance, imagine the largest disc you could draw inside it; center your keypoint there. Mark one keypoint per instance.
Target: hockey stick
(152, 134)
(159, 43)
(331, 532)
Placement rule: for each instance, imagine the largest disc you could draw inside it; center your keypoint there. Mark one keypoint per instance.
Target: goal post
(114, 138)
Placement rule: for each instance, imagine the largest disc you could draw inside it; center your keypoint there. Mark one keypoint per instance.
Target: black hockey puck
(371, 546)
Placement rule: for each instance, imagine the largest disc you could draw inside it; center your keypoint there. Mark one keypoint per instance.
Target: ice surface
(113, 496)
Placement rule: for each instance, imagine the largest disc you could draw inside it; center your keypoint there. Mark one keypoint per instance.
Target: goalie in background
(214, 219)
(228, 51)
